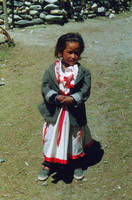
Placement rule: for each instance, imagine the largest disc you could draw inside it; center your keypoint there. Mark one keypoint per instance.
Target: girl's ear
(59, 55)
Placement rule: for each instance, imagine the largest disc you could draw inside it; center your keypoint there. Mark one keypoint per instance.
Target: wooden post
(5, 14)
(84, 3)
(12, 8)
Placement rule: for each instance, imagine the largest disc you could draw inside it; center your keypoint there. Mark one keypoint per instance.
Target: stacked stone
(53, 12)
(94, 8)
(30, 12)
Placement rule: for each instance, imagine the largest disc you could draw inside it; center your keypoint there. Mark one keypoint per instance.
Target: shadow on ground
(93, 155)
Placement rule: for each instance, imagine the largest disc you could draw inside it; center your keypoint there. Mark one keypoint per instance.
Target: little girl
(65, 87)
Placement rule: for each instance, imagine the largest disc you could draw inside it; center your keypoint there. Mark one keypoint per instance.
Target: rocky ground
(105, 39)
(108, 56)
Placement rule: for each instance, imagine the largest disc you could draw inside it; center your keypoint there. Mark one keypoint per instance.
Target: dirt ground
(107, 165)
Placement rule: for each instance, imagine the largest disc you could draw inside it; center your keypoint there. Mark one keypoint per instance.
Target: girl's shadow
(93, 155)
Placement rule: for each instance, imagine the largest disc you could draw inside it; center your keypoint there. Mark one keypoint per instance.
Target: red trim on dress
(56, 160)
(89, 144)
(44, 132)
(62, 117)
(60, 161)
(76, 156)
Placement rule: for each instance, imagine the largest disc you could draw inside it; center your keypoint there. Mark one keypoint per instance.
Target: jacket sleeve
(46, 88)
(83, 91)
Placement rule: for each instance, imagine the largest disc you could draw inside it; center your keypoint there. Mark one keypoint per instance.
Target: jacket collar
(80, 73)
(52, 74)
(53, 77)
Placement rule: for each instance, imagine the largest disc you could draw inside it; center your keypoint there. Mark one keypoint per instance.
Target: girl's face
(71, 54)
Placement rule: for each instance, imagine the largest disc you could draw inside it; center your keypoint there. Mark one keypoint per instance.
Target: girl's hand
(67, 100)
(60, 98)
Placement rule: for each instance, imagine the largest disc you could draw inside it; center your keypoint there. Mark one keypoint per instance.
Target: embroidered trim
(66, 80)
(61, 161)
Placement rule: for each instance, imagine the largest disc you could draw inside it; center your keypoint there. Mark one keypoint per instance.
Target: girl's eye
(76, 53)
(70, 52)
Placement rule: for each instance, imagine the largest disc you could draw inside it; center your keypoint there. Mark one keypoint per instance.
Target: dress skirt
(63, 141)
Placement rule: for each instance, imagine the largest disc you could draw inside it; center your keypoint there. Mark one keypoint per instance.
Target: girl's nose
(73, 55)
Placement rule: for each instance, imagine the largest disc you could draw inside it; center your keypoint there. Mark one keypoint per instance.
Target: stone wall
(30, 12)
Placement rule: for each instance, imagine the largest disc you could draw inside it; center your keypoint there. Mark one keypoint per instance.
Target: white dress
(61, 140)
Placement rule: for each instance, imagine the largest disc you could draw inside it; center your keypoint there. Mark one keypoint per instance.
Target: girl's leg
(46, 164)
(79, 137)
(44, 174)
(78, 172)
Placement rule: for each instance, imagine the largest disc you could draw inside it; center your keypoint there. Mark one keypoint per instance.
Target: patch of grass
(4, 52)
(108, 111)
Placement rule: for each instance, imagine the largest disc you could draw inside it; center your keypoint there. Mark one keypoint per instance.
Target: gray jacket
(81, 91)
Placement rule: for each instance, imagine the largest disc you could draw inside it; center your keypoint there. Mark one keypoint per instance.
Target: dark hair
(69, 37)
